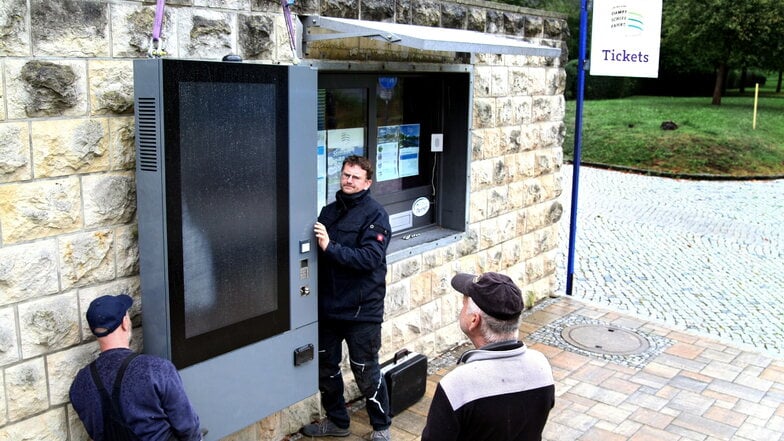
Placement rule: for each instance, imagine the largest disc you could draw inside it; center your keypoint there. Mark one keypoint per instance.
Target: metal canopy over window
(422, 37)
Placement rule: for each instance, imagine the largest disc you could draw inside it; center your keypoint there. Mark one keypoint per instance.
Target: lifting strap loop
(155, 42)
(286, 4)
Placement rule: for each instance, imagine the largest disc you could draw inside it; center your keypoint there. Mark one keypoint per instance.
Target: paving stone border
(551, 335)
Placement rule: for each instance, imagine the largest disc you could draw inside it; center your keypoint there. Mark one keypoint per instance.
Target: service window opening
(414, 129)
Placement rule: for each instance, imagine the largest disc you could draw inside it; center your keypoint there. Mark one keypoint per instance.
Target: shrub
(752, 78)
(599, 87)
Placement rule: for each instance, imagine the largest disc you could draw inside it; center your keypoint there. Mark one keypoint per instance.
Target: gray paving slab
(699, 255)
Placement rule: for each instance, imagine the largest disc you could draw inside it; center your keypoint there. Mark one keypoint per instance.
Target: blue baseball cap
(106, 313)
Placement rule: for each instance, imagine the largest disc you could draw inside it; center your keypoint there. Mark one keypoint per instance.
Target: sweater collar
(503, 349)
(347, 201)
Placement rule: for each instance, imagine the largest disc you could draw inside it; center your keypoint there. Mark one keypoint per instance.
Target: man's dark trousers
(364, 341)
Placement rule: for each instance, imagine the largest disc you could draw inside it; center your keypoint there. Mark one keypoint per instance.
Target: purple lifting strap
(156, 26)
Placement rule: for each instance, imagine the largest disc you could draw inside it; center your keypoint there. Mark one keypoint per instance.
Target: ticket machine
(226, 206)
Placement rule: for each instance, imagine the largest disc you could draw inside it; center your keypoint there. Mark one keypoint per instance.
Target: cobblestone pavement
(700, 255)
(686, 387)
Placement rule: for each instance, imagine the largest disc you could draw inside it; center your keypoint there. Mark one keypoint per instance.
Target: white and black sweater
(501, 392)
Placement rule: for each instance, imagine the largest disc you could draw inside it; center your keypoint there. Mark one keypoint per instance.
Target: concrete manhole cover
(605, 339)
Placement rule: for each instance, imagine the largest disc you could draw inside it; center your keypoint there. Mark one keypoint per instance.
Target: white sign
(625, 37)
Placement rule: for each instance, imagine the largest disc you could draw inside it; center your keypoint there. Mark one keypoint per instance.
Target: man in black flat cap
(152, 401)
(502, 390)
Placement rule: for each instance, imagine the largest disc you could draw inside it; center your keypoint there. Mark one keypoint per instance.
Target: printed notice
(387, 153)
(321, 170)
(397, 153)
(341, 143)
(409, 150)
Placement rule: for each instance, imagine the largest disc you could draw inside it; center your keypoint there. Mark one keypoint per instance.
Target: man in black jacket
(501, 391)
(353, 234)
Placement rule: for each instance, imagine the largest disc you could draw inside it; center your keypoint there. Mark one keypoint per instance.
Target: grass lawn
(709, 140)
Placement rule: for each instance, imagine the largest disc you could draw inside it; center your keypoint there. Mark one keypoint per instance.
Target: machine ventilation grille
(146, 110)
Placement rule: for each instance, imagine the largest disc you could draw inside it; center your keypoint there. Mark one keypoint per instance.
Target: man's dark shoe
(324, 427)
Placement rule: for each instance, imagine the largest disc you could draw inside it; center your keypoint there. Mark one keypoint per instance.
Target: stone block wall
(67, 191)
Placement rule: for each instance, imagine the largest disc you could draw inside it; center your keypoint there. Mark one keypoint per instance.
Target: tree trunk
(742, 87)
(718, 86)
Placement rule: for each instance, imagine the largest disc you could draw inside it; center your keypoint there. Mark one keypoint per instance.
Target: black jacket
(352, 270)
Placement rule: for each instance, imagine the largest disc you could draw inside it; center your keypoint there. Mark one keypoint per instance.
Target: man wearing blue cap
(152, 401)
(502, 390)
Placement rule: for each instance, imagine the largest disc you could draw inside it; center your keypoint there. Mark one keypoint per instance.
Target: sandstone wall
(67, 191)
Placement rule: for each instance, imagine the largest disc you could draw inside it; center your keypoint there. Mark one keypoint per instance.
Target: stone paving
(699, 255)
(694, 389)
(693, 267)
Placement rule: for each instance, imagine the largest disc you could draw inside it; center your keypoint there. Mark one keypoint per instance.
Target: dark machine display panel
(223, 204)
(230, 210)
(225, 223)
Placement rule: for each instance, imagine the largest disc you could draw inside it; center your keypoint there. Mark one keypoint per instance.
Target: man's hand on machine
(321, 235)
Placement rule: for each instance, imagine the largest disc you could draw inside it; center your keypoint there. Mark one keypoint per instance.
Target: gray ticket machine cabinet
(226, 204)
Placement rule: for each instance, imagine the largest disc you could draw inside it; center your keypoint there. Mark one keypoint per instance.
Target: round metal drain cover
(603, 339)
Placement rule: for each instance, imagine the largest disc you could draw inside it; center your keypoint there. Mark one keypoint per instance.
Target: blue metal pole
(578, 141)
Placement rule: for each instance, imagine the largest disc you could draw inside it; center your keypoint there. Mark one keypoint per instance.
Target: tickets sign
(625, 37)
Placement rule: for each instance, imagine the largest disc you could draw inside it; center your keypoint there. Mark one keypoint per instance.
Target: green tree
(773, 57)
(701, 36)
(722, 34)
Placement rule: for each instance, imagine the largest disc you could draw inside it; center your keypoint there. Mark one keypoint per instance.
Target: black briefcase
(406, 378)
